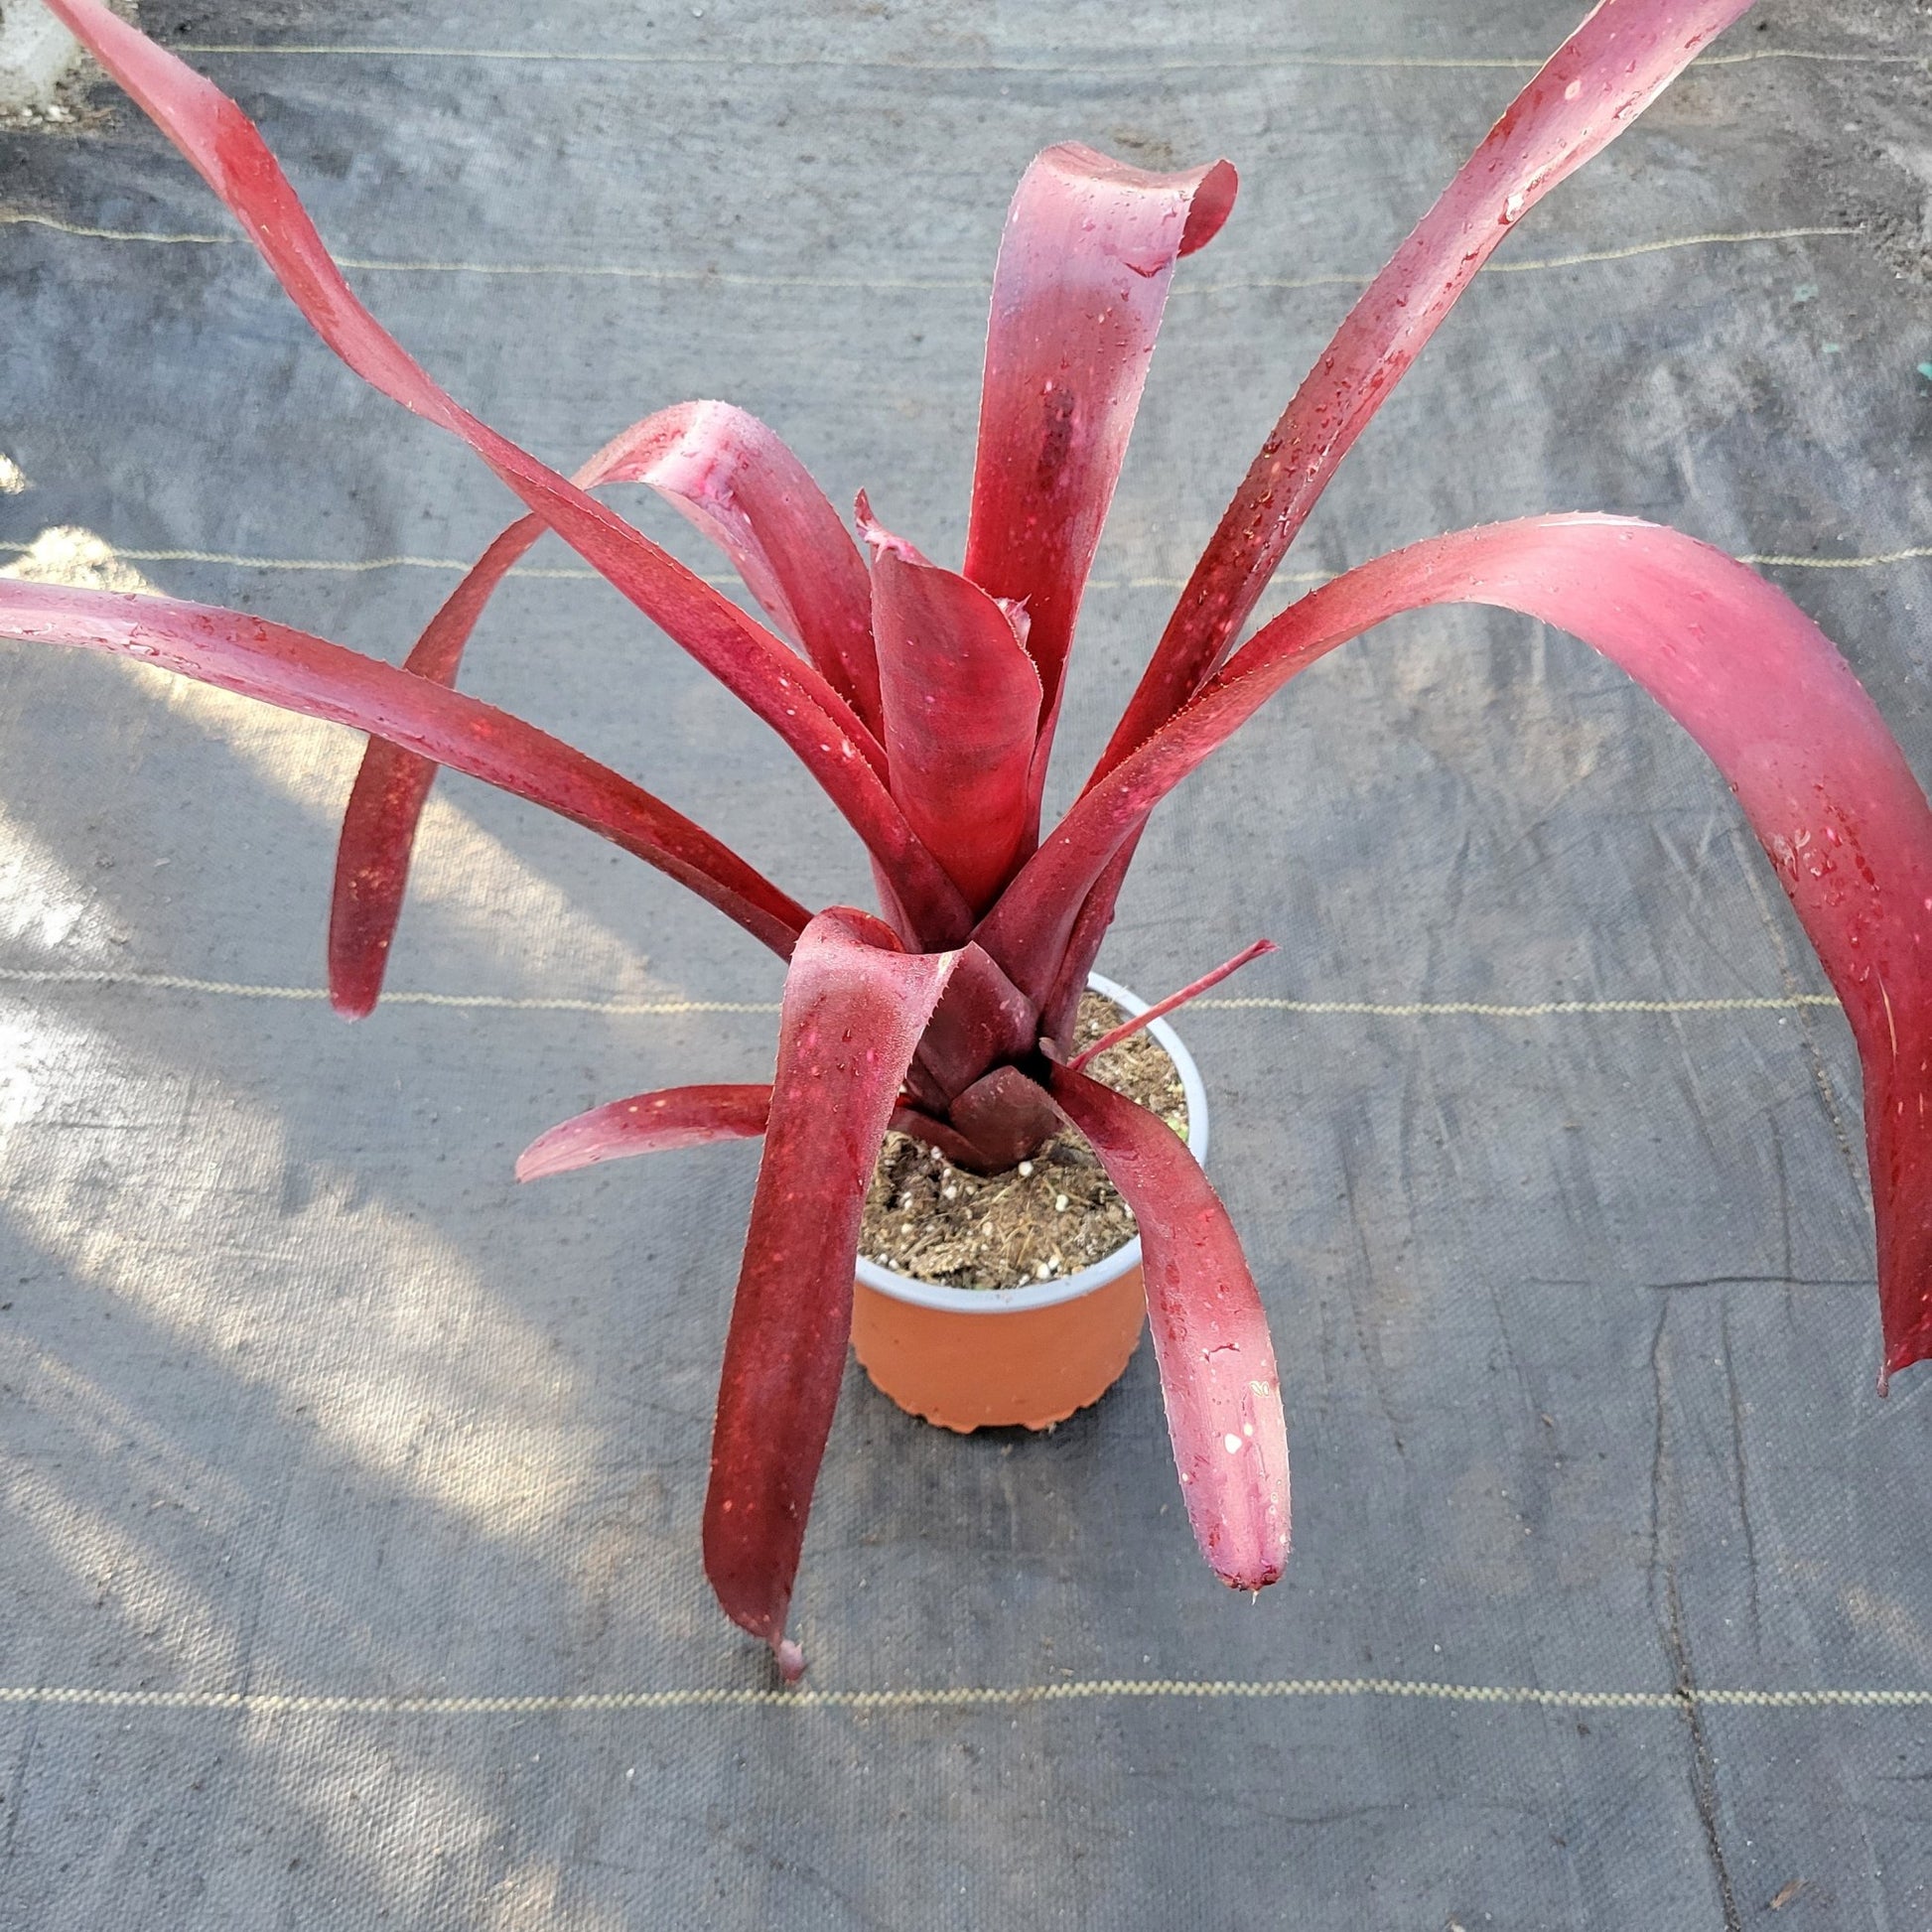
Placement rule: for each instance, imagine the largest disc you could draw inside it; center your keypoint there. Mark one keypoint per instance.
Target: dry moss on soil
(1048, 1217)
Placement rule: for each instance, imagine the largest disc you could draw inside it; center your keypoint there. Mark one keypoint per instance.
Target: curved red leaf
(1622, 56)
(980, 1018)
(297, 672)
(791, 697)
(1591, 88)
(1760, 688)
(739, 483)
(1003, 1117)
(1059, 1009)
(1210, 1337)
(961, 699)
(646, 1123)
(372, 859)
(934, 1132)
(1082, 278)
(853, 1013)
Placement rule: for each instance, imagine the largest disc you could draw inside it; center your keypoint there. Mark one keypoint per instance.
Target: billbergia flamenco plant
(923, 701)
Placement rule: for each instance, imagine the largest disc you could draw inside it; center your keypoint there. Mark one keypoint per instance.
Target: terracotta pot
(971, 1359)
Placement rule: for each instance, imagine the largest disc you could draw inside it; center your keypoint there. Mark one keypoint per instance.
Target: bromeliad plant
(923, 701)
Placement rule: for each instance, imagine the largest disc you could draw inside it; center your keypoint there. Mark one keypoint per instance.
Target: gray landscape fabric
(350, 1495)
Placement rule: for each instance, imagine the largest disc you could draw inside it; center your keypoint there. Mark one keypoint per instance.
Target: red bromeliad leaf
(1082, 278)
(1003, 1117)
(853, 1008)
(791, 697)
(1586, 94)
(961, 704)
(1210, 1337)
(675, 1117)
(290, 669)
(934, 1132)
(1760, 688)
(1588, 91)
(378, 839)
(739, 483)
(1059, 1009)
(647, 1123)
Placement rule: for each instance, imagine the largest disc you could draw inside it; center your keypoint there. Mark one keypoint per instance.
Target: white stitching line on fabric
(362, 565)
(1370, 1009)
(1630, 254)
(729, 278)
(1840, 563)
(1086, 1690)
(245, 990)
(1120, 71)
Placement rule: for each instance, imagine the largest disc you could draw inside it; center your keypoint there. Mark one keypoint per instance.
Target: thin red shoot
(1161, 1007)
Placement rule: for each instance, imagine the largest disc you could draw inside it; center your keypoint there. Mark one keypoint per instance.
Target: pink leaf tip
(877, 538)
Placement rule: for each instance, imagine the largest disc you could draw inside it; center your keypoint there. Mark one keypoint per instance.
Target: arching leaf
(229, 153)
(739, 483)
(1086, 262)
(297, 672)
(1210, 1337)
(646, 1123)
(852, 1010)
(1760, 688)
(960, 699)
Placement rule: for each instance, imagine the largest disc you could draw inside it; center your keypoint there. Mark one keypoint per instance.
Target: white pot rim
(1083, 1281)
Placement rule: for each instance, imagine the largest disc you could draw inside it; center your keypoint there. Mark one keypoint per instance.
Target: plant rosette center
(1045, 1219)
